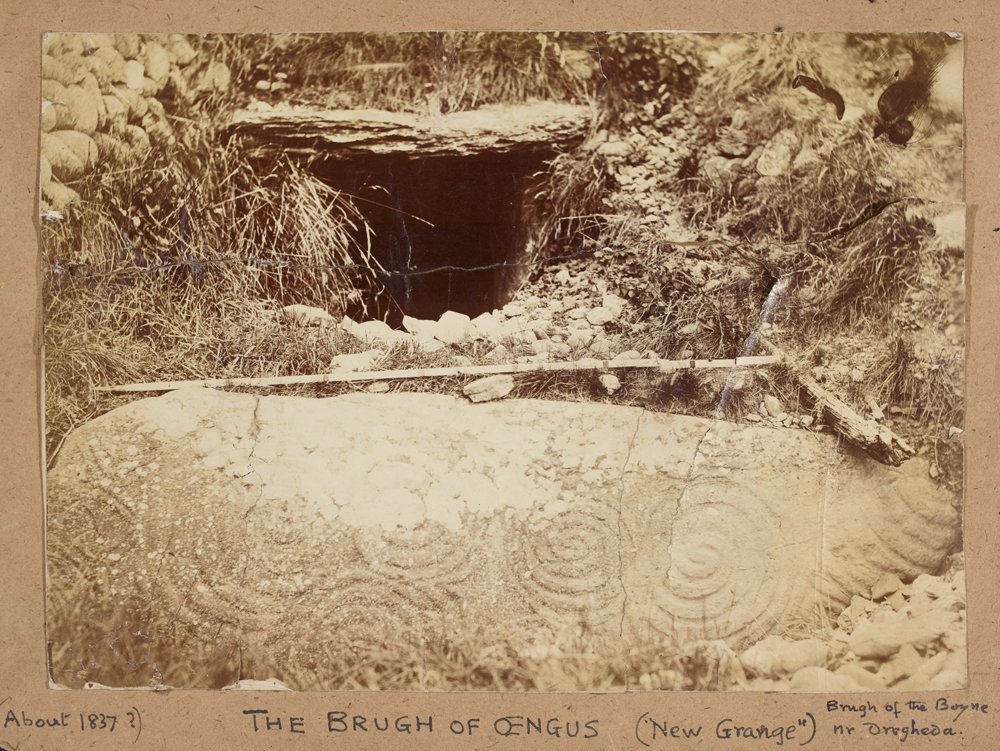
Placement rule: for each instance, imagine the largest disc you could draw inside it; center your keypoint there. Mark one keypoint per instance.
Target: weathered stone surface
(352, 133)
(360, 520)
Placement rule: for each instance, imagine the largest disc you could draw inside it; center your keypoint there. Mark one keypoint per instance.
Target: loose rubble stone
(820, 680)
(610, 383)
(359, 361)
(512, 310)
(453, 328)
(498, 354)
(601, 346)
(884, 639)
(490, 388)
(773, 406)
(776, 656)
(599, 316)
(614, 304)
(887, 585)
(419, 326)
(776, 157)
(428, 343)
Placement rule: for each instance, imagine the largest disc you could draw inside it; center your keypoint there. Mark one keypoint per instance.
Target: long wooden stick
(877, 440)
(389, 375)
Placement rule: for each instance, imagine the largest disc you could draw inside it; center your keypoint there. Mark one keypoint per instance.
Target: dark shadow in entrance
(448, 230)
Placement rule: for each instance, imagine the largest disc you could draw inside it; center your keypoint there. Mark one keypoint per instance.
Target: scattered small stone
(887, 585)
(378, 387)
(562, 276)
(896, 600)
(806, 421)
(540, 329)
(486, 326)
(428, 343)
(378, 331)
(921, 677)
(859, 607)
(776, 157)
(905, 663)
(614, 148)
(359, 361)
(512, 310)
(884, 639)
(579, 338)
(772, 406)
(753, 417)
(498, 354)
(610, 383)
(814, 679)
(304, 315)
(542, 345)
(599, 316)
(453, 328)
(601, 346)
(522, 336)
(876, 411)
(419, 326)
(577, 313)
(461, 361)
(776, 656)
(489, 388)
(614, 304)
(689, 329)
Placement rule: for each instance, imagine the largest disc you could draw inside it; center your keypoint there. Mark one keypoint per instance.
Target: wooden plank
(589, 364)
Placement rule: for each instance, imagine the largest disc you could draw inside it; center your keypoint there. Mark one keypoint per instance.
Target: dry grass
(135, 651)
(412, 71)
(175, 268)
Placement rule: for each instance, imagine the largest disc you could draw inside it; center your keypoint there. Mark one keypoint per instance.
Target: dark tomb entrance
(447, 230)
(442, 196)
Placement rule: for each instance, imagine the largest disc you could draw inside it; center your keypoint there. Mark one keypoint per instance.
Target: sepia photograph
(504, 361)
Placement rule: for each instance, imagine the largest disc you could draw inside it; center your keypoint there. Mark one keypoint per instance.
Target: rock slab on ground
(412, 517)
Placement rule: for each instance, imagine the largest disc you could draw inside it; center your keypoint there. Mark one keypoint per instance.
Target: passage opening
(447, 229)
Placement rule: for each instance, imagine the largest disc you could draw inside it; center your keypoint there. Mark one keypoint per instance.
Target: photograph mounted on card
(504, 361)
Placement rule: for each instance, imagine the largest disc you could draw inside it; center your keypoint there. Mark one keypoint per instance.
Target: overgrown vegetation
(446, 71)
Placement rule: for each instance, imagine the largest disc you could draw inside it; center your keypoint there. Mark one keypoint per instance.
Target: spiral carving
(362, 614)
(725, 569)
(431, 554)
(562, 564)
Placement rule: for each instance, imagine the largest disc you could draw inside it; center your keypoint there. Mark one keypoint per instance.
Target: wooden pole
(877, 440)
(473, 370)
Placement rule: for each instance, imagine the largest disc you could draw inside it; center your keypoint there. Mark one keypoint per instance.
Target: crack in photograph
(507, 361)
